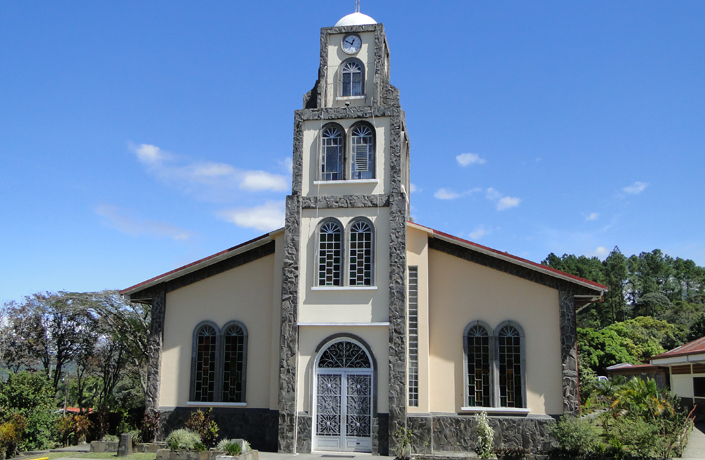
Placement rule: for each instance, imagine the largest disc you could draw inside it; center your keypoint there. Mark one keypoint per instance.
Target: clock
(351, 44)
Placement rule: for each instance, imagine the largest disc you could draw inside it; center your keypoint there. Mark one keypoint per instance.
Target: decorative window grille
(205, 364)
(352, 79)
(478, 356)
(509, 355)
(414, 336)
(344, 355)
(234, 364)
(332, 154)
(363, 153)
(329, 254)
(361, 236)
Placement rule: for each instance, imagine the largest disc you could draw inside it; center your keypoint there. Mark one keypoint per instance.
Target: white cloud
(256, 181)
(636, 188)
(412, 188)
(478, 233)
(267, 217)
(592, 216)
(503, 202)
(121, 220)
(467, 159)
(207, 180)
(507, 202)
(601, 251)
(444, 194)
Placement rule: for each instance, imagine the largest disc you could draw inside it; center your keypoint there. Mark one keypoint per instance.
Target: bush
(150, 426)
(201, 423)
(576, 437)
(485, 437)
(233, 449)
(11, 433)
(71, 428)
(136, 436)
(31, 396)
(183, 439)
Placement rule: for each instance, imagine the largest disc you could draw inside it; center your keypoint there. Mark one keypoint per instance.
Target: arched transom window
(344, 355)
(363, 153)
(330, 240)
(332, 153)
(509, 357)
(206, 347)
(352, 79)
(360, 269)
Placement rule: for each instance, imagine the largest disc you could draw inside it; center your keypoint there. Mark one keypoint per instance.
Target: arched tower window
(361, 257)
(352, 78)
(362, 143)
(332, 148)
(509, 355)
(205, 363)
(234, 360)
(477, 350)
(330, 253)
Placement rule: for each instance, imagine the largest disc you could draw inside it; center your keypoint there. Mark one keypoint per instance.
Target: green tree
(604, 348)
(697, 329)
(32, 396)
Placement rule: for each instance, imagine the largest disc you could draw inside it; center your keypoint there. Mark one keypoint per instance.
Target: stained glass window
(509, 357)
(204, 388)
(478, 356)
(332, 154)
(360, 254)
(330, 240)
(233, 364)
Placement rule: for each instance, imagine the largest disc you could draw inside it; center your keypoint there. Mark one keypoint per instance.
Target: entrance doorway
(343, 399)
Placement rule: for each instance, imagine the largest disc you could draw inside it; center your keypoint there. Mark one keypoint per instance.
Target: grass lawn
(111, 455)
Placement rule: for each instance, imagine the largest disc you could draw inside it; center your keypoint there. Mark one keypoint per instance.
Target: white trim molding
(377, 324)
(215, 404)
(343, 288)
(351, 181)
(497, 410)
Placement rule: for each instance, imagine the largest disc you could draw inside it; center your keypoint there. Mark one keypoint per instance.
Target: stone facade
(433, 433)
(569, 351)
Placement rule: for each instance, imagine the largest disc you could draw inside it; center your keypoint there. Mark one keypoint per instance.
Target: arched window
(362, 143)
(494, 365)
(205, 350)
(352, 78)
(344, 354)
(234, 359)
(509, 354)
(477, 349)
(330, 253)
(332, 148)
(361, 256)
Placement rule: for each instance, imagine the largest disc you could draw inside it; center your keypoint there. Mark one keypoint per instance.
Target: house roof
(268, 237)
(512, 258)
(696, 347)
(626, 366)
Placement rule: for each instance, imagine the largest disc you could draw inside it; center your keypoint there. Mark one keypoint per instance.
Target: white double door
(343, 410)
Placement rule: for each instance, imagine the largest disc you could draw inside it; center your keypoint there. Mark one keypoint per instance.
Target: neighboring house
(642, 371)
(352, 321)
(687, 372)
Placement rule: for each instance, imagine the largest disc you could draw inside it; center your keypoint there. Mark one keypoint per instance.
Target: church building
(353, 321)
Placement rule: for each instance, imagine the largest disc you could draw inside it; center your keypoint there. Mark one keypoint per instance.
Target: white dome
(355, 19)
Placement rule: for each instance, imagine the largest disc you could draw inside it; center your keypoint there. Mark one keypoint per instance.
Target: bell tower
(345, 232)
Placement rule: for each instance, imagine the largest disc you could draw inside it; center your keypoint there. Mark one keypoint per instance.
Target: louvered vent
(361, 158)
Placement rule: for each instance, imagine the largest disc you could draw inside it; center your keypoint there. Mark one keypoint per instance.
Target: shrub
(247, 446)
(11, 433)
(110, 438)
(233, 448)
(485, 437)
(403, 443)
(150, 426)
(31, 396)
(201, 423)
(183, 439)
(576, 437)
(511, 452)
(72, 427)
(136, 436)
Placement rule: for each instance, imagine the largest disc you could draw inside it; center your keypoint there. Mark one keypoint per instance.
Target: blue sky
(136, 136)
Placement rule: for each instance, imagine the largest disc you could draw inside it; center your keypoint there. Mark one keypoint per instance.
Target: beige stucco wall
(461, 292)
(311, 149)
(682, 384)
(417, 255)
(244, 294)
(344, 304)
(310, 337)
(335, 58)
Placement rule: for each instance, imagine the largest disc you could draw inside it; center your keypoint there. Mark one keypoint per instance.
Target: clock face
(352, 44)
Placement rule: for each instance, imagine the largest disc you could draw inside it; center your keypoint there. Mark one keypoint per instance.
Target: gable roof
(599, 289)
(696, 347)
(512, 259)
(203, 263)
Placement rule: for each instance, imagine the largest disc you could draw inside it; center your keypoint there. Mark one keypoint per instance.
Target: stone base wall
(433, 434)
(258, 426)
